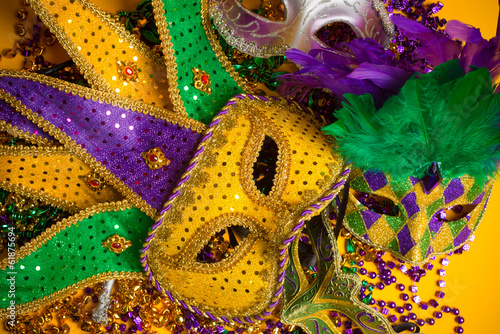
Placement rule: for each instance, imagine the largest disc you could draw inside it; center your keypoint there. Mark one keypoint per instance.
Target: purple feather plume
(437, 47)
(359, 67)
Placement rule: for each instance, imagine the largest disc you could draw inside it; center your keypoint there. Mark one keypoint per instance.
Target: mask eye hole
(454, 213)
(334, 33)
(222, 244)
(377, 204)
(264, 169)
(307, 258)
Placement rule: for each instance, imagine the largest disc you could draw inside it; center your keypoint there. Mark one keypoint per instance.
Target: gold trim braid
(52, 231)
(80, 152)
(98, 45)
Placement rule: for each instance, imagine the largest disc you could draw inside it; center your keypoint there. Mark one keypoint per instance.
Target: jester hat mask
(118, 163)
(424, 161)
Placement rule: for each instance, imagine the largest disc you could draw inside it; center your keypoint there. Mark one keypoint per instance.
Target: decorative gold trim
(187, 257)
(53, 297)
(116, 243)
(217, 49)
(169, 56)
(487, 193)
(201, 81)
(109, 98)
(94, 181)
(30, 138)
(87, 69)
(260, 127)
(26, 191)
(123, 67)
(353, 278)
(155, 153)
(169, 52)
(52, 231)
(32, 150)
(242, 44)
(44, 198)
(82, 153)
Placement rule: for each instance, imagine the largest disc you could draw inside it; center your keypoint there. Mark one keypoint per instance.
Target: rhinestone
(95, 183)
(153, 157)
(129, 71)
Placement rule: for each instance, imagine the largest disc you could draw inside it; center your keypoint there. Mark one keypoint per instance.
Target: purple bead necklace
(386, 277)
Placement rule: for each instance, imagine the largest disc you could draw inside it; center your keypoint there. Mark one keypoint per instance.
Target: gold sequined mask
(415, 219)
(222, 190)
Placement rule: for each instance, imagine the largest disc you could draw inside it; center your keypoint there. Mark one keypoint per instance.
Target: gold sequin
(242, 284)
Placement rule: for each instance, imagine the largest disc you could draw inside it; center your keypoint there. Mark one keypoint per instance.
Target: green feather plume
(445, 116)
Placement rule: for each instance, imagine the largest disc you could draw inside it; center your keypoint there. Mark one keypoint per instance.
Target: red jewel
(153, 157)
(204, 79)
(116, 245)
(129, 71)
(95, 183)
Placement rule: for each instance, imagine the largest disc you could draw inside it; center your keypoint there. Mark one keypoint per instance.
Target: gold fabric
(105, 52)
(221, 192)
(53, 176)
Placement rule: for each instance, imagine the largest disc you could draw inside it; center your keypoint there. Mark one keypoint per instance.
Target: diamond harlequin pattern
(420, 229)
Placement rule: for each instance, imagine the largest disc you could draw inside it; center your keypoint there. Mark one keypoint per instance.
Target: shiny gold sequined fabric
(221, 192)
(111, 59)
(53, 176)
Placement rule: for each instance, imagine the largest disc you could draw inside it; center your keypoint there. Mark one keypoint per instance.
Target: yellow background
(471, 277)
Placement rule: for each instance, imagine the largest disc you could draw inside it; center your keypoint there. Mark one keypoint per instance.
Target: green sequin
(349, 246)
(424, 243)
(76, 253)
(193, 50)
(400, 187)
(355, 221)
(474, 191)
(395, 223)
(434, 207)
(349, 270)
(393, 245)
(479, 218)
(457, 226)
(367, 299)
(359, 184)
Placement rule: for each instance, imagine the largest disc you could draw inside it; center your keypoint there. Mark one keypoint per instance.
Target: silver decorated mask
(261, 37)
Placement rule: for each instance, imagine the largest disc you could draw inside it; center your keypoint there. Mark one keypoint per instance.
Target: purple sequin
(410, 204)
(369, 217)
(405, 241)
(435, 225)
(414, 180)
(429, 251)
(462, 236)
(431, 179)
(375, 180)
(479, 199)
(454, 190)
(114, 136)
